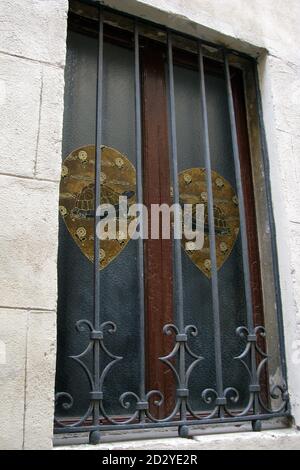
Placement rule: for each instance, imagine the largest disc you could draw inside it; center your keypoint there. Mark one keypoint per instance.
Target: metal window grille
(96, 419)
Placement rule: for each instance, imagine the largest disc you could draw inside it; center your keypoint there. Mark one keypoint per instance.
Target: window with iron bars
(151, 333)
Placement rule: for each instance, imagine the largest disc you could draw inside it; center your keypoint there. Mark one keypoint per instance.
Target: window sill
(233, 439)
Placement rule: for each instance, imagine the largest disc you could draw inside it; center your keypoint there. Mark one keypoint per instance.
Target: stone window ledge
(271, 439)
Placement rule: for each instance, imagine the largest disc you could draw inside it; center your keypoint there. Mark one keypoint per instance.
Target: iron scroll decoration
(77, 211)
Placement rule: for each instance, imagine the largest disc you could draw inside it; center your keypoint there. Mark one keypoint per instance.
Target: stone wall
(32, 55)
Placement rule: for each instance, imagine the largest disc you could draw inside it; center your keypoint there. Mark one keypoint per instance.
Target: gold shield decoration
(77, 197)
(192, 188)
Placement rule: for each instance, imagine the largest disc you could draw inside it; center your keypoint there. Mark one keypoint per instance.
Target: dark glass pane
(119, 295)
(196, 282)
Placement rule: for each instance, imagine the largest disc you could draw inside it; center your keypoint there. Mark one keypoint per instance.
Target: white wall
(32, 54)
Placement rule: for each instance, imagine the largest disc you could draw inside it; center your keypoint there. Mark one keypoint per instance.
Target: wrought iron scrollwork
(142, 404)
(66, 401)
(181, 374)
(253, 358)
(96, 395)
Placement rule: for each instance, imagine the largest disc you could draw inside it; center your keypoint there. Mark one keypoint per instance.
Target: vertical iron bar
(212, 235)
(97, 288)
(139, 173)
(177, 242)
(238, 177)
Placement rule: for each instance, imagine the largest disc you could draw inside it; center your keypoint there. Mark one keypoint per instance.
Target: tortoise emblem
(226, 216)
(77, 197)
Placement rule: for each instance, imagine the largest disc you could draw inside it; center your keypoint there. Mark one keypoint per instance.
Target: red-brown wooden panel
(158, 253)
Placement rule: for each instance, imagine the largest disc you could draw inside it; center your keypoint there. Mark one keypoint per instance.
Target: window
(167, 335)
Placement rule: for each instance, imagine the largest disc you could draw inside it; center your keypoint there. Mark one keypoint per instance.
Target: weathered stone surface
(283, 439)
(48, 162)
(283, 161)
(285, 83)
(295, 250)
(238, 24)
(33, 36)
(289, 169)
(20, 88)
(35, 29)
(28, 239)
(13, 332)
(40, 371)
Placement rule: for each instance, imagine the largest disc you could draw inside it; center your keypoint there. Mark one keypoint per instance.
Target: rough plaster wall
(32, 55)
(280, 84)
(269, 30)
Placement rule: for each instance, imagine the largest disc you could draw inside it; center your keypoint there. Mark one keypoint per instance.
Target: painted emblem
(118, 178)
(77, 197)
(226, 215)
